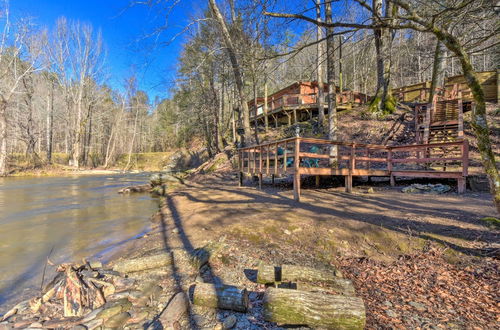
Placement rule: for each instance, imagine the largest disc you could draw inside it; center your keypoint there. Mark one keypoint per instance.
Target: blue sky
(122, 31)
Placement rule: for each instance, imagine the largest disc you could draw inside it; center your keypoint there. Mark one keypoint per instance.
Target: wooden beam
(460, 116)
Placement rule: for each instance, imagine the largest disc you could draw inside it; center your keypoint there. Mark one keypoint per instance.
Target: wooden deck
(290, 108)
(309, 156)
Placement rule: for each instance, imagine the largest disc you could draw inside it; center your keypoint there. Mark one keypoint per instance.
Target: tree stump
(292, 307)
(221, 296)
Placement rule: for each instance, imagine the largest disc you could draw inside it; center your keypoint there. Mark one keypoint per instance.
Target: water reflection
(76, 216)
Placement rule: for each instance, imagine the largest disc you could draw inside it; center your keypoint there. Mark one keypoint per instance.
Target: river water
(73, 216)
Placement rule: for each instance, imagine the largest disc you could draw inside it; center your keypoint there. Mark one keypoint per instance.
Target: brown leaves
(424, 289)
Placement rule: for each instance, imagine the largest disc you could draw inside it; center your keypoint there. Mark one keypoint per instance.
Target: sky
(124, 30)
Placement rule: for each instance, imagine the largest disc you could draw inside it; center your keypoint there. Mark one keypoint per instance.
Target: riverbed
(64, 219)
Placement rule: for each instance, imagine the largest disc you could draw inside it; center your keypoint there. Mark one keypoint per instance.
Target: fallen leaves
(424, 289)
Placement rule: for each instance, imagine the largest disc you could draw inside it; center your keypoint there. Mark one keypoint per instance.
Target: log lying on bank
(303, 277)
(293, 307)
(220, 296)
(143, 263)
(135, 189)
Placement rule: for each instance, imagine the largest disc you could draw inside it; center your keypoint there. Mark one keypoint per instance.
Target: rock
(418, 306)
(175, 230)
(229, 322)
(387, 303)
(286, 231)
(427, 188)
(5, 326)
(94, 264)
(175, 310)
(370, 190)
(391, 313)
(113, 308)
(117, 321)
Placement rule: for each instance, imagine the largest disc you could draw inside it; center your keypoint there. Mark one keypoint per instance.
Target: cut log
(292, 307)
(291, 273)
(268, 274)
(340, 286)
(303, 276)
(144, 263)
(221, 296)
(175, 310)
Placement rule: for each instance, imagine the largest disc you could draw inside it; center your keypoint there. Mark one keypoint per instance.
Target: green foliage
(491, 222)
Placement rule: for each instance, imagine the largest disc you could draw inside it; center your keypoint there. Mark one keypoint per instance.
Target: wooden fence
(308, 156)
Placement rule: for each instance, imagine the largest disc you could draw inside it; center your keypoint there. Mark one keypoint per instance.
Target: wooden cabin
(420, 92)
(298, 102)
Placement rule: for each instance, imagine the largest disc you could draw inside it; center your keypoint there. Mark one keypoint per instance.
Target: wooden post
(260, 167)
(254, 160)
(284, 158)
(461, 182)
(296, 172)
(267, 159)
(389, 168)
(352, 162)
(275, 160)
(295, 116)
(317, 181)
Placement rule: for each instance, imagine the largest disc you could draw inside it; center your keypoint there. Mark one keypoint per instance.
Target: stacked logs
(295, 298)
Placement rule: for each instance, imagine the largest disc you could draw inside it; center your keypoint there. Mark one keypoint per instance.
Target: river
(72, 216)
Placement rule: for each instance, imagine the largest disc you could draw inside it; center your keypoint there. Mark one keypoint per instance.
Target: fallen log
(135, 189)
(221, 296)
(175, 310)
(143, 263)
(293, 307)
(289, 273)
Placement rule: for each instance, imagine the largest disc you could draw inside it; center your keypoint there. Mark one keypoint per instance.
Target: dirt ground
(418, 261)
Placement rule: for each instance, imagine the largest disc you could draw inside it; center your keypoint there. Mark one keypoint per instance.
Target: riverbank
(416, 260)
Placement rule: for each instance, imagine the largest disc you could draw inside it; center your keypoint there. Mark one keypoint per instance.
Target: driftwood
(143, 263)
(135, 189)
(292, 307)
(221, 296)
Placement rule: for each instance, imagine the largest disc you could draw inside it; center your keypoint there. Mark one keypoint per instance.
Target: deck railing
(291, 100)
(310, 156)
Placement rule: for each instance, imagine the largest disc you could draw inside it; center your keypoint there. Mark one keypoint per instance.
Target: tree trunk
(330, 70)
(438, 69)
(3, 137)
(320, 97)
(266, 118)
(293, 307)
(479, 119)
(383, 101)
(220, 296)
(235, 66)
(50, 123)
